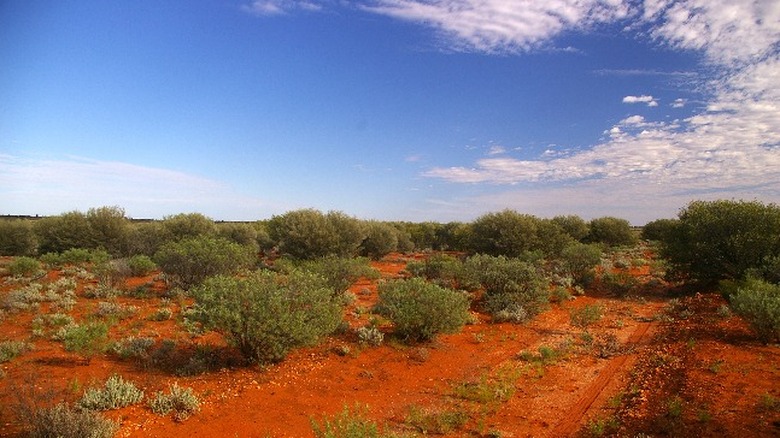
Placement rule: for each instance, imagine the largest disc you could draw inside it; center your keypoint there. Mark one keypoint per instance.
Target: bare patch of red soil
(636, 364)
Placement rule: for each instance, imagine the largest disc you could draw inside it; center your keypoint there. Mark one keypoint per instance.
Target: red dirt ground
(685, 369)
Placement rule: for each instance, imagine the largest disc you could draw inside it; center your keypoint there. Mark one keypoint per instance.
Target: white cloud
(679, 103)
(496, 150)
(649, 100)
(52, 186)
(496, 26)
(278, 7)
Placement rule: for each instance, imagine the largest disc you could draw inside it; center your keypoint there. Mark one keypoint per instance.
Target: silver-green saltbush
(115, 393)
(182, 401)
(759, 303)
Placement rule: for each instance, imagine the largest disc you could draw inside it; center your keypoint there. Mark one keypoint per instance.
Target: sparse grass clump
(348, 423)
(181, 401)
(586, 316)
(87, 339)
(420, 310)
(436, 422)
(132, 347)
(12, 349)
(114, 310)
(115, 393)
(63, 420)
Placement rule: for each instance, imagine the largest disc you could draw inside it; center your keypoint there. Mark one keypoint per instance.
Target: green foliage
(24, 267)
(586, 316)
(11, 349)
(381, 239)
(573, 225)
(63, 420)
(309, 234)
(759, 303)
(265, 314)
(442, 269)
(435, 422)
(87, 339)
(420, 310)
(17, 238)
(116, 393)
(63, 232)
(611, 231)
(76, 256)
(192, 260)
(514, 289)
(490, 388)
(659, 230)
(348, 423)
(339, 273)
(132, 347)
(109, 229)
(181, 401)
(579, 260)
(187, 226)
(141, 265)
(146, 238)
(511, 234)
(241, 233)
(724, 240)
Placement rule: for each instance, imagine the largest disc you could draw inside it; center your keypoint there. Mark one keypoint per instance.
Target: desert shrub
(76, 256)
(659, 229)
(115, 393)
(716, 240)
(339, 273)
(109, 229)
(579, 260)
(381, 239)
(619, 283)
(141, 265)
(513, 288)
(63, 232)
(62, 420)
(146, 238)
(17, 238)
(265, 314)
(133, 347)
(24, 267)
(309, 234)
(611, 231)
(759, 303)
(192, 260)
(370, 335)
(11, 349)
(435, 422)
(420, 310)
(24, 298)
(586, 316)
(106, 309)
(506, 233)
(349, 423)
(181, 401)
(87, 339)
(443, 269)
(244, 234)
(187, 226)
(573, 225)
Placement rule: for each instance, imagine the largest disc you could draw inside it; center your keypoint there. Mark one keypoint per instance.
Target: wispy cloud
(52, 186)
(678, 103)
(279, 7)
(649, 100)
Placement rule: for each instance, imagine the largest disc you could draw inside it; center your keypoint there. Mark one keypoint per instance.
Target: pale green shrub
(115, 393)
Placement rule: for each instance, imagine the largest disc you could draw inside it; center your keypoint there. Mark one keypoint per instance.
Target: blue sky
(388, 109)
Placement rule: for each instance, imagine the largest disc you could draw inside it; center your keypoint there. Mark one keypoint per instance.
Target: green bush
(241, 233)
(310, 234)
(514, 289)
(579, 260)
(11, 349)
(116, 393)
(611, 231)
(659, 230)
(146, 238)
(264, 314)
(192, 260)
(511, 234)
(442, 269)
(716, 240)
(573, 225)
(420, 310)
(381, 239)
(586, 316)
(24, 267)
(759, 303)
(76, 256)
(339, 273)
(141, 265)
(87, 339)
(109, 229)
(63, 232)
(17, 238)
(182, 401)
(187, 226)
(63, 420)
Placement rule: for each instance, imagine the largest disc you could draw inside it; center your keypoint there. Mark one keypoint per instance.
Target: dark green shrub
(265, 314)
(514, 289)
(109, 229)
(339, 273)
(76, 256)
(442, 269)
(759, 303)
(24, 267)
(141, 265)
(87, 339)
(63, 232)
(17, 238)
(241, 233)
(579, 260)
(116, 393)
(611, 231)
(187, 226)
(420, 310)
(659, 230)
(573, 225)
(381, 239)
(63, 420)
(192, 260)
(716, 240)
(310, 234)
(512, 234)
(147, 237)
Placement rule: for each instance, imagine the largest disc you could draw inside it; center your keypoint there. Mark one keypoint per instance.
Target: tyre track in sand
(572, 419)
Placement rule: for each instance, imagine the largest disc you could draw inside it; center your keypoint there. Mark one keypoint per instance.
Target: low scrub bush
(115, 310)
(265, 314)
(435, 422)
(115, 393)
(442, 269)
(181, 401)
(586, 316)
(514, 290)
(579, 260)
(339, 272)
(370, 335)
(132, 347)
(24, 267)
(11, 349)
(63, 420)
(759, 303)
(24, 298)
(17, 238)
(420, 310)
(192, 260)
(87, 340)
